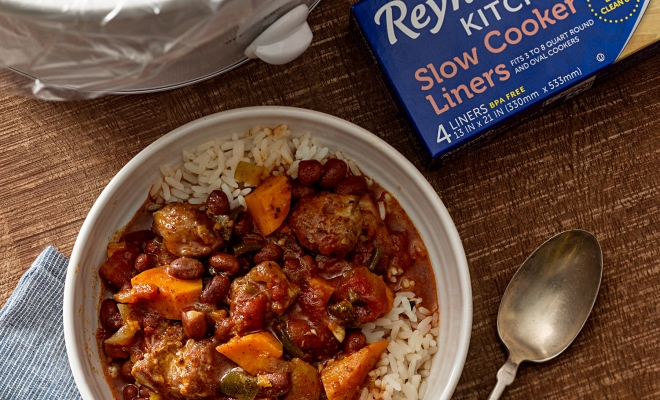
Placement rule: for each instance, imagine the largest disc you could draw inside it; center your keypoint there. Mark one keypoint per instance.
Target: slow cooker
(66, 49)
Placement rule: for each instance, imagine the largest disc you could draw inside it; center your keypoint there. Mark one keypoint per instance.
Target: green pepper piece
(240, 385)
(234, 213)
(374, 260)
(288, 344)
(352, 296)
(245, 247)
(344, 312)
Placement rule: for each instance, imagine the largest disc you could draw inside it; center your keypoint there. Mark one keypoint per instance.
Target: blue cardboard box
(463, 70)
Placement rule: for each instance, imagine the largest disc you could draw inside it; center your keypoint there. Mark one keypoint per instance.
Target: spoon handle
(504, 378)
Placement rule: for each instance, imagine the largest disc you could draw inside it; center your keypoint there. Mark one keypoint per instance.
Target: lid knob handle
(283, 41)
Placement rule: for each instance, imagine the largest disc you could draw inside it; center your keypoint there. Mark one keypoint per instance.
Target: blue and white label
(460, 66)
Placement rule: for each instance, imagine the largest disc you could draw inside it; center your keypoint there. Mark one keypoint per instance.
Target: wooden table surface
(592, 163)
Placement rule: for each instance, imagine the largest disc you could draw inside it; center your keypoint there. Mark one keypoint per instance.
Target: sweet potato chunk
(173, 294)
(269, 203)
(253, 352)
(304, 382)
(343, 378)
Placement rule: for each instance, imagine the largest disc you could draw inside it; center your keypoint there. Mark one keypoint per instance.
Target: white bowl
(127, 191)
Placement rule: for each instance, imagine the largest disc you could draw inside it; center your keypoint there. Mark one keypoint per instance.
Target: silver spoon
(548, 301)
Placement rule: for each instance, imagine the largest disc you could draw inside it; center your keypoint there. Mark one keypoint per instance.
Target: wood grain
(647, 32)
(591, 163)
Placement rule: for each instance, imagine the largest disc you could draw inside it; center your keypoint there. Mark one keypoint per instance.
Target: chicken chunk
(186, 231)
(364, 292)
(327, 223)
(176, 368)
(264, 289)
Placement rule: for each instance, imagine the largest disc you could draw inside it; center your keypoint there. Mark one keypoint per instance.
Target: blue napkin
(33, 361)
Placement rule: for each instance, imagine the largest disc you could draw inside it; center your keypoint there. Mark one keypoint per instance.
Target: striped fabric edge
(33, 360)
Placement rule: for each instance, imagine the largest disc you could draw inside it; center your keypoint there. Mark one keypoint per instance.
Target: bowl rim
(69, 313)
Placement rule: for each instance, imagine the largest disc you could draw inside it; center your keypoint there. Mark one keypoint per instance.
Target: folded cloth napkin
(33, 361)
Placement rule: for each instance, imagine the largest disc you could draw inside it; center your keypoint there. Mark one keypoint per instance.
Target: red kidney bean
(110, 317)
(353, 184)
(334, 172)
(155, 246)
(217, 203)
(166, 258)
(145, 261)
(309, 171)
(243, 225)
(145, 392)
(280, 383)
(224, 262)
(194, 324)
(130, 392)
(125, 370)
(298, 191)
(115, 351)
(185, 268)
(270, 252)
(354, 341)
(216, 290)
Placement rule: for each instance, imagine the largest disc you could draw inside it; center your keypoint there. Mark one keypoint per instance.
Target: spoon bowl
(548, 301)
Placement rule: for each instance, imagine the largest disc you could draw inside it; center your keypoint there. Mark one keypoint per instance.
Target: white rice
(410, 328)
(412, 331)
(212, 164)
